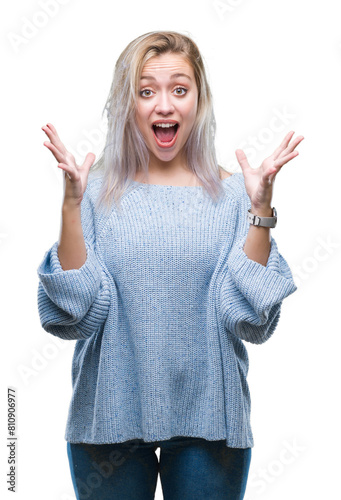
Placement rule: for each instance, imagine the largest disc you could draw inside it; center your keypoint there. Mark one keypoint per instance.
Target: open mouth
(165, 136)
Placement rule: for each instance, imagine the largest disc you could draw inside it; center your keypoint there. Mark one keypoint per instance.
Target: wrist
(70, 207)
(261, 210)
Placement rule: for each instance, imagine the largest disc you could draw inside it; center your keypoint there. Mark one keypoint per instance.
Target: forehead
(165, 64)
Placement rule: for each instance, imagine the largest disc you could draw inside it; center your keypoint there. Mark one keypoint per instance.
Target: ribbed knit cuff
(72, 290)
(262, 286)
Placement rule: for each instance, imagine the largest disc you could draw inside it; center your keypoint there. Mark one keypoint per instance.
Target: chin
(164, 155)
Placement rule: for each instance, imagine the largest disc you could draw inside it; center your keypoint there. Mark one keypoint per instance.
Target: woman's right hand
(76, 177)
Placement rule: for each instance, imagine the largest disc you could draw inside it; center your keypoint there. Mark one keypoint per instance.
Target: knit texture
(159, 312)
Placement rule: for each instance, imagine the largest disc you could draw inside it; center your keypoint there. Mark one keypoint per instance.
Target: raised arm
(74, 288)
(259, 187)
(71, 249)
(256, 277)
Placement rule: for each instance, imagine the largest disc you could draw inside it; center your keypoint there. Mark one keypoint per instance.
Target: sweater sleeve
(252, 294)
(74, 304)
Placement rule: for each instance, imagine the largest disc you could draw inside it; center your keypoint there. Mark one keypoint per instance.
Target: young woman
(164, 265)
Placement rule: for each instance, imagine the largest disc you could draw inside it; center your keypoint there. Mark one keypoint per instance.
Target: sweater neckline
(177, 187)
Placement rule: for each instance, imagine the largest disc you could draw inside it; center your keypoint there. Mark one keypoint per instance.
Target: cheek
(140, 115)
(141, 125)
(191, 112)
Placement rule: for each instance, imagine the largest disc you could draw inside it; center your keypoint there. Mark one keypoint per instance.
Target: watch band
(256, 220)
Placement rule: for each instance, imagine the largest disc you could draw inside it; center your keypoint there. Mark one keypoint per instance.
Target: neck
(172, 172)
(176, 166)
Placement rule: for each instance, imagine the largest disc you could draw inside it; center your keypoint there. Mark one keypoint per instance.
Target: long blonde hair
(125, 151)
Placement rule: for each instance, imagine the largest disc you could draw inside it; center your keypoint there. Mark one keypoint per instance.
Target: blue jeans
(190, 468)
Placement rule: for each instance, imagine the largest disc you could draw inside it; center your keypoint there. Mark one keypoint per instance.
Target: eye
(183, 91)
(145, 90)
(181, 88)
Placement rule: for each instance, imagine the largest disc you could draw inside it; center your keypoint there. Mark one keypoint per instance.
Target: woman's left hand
(259, 181)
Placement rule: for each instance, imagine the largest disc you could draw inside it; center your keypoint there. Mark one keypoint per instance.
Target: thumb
(242, 160)
(89, 160)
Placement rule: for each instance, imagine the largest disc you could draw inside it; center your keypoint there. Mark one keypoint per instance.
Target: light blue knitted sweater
(160, 310)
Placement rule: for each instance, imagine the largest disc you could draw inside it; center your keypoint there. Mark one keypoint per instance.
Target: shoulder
(237, 175)
(223, 173)
(94, 184)
(235, 187)
(90, 196)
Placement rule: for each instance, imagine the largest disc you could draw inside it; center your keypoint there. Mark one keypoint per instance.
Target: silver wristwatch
(256, 220)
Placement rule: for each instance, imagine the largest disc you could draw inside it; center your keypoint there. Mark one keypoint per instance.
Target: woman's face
(169, 95)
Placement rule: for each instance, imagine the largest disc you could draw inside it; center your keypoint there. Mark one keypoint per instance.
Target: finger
(52, 128)
(269, 176)
(283, 145)
(283, 160)
(291, 146)
(89, 160)
(64, 167)
(51, 133)
(55, 151)
(242, 160)
(54, 139)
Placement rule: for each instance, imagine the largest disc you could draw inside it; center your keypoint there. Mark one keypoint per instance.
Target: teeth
(165, 125)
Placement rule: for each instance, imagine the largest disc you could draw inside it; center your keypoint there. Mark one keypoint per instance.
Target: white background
(274, 66)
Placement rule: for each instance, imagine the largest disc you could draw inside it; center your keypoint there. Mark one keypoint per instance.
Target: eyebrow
(175, 75)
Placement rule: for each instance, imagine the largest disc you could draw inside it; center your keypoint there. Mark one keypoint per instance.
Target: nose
(164, 104)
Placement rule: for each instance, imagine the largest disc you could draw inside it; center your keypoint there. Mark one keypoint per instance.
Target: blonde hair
(125, 151)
